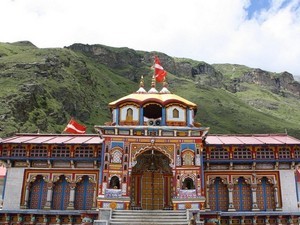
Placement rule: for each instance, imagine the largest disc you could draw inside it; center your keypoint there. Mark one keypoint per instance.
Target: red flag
(75, 128)
(159, 72)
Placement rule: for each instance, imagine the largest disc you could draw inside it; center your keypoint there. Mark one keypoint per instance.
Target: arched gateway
(151, 181)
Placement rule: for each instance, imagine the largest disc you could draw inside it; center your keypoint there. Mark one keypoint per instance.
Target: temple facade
(152, 155)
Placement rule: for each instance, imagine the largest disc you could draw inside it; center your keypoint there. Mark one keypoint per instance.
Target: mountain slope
(42, 88)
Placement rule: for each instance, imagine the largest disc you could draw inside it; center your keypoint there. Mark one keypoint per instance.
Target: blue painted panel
(189, 146)
(117, 144)
(41, 189)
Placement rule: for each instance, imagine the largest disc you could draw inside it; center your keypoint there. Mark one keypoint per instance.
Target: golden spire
(153, 84)
(165, 90)
(141, 89)
(142, 81)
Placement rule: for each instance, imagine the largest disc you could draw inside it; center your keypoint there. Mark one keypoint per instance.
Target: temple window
(188, 183)
(116, 157)
(37, 193)
(175, 113)
(84, 151)
(61, 194)
(84, 194)
(265, 195)
(114, 182)
(18, 151)
(39, 151)
(218, 195)
(265, 153)
(61, 151)
(129, 115)
(242, 195)
(188, 158)
(219, 153)
(242, 153)
(284, 153)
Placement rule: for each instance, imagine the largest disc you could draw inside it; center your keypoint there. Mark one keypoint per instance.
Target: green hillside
(41, 89)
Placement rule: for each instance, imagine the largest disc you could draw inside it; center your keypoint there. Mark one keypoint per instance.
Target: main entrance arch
(151, 181)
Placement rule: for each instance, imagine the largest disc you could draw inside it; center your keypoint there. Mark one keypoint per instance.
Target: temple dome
(161, 98)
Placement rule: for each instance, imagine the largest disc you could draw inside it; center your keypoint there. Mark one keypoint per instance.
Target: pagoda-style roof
(161, 98)
(253, 139)
(53, 139)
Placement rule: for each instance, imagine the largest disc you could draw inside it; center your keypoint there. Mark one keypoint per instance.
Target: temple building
(151, 156)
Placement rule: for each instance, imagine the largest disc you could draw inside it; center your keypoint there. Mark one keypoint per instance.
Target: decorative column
(277, 207)
(243, 220)
(72, 196)
(32, 219)
(48, 204)
(254, 198)
(267, 220)
(254, 220)
(278, 220)
(291, 220)
(25, 206)
(94, 206)
(207, 207)
(230, 197)
(20, 219)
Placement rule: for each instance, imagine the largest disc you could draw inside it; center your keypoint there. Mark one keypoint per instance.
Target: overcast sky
(258, 33)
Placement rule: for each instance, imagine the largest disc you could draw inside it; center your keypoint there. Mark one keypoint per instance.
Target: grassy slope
(80, 87)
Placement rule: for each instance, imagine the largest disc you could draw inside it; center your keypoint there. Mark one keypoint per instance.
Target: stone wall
(288, 191)
(13, 188)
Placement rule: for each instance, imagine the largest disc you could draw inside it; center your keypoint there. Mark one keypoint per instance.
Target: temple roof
(162, 98)
(253, 139)
(53, 139)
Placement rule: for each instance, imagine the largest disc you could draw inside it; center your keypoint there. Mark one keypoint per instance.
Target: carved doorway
(151, 181)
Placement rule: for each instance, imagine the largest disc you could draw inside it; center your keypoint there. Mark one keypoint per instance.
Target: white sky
(214, 31)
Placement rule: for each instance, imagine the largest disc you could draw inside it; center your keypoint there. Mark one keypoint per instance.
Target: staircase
(147, 217)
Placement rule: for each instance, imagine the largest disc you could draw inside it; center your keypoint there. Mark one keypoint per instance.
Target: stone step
(149, 217)
(150, 223)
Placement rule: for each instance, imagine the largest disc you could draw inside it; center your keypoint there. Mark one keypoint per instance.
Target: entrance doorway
(151, 181)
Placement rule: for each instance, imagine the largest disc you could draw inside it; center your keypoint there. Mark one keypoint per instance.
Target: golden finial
(142, 81)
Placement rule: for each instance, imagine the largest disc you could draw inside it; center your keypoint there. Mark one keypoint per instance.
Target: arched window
(265, 195)
(188, 158)
(218, 196)
(242, 195)
(129, 115)
(84, 194)
(61, 194)
(116, 157)
(175, 113)
(114, 182)
(188, 183)
(38, 193)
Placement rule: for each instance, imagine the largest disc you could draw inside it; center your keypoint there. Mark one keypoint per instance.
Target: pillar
(94, 206)
(48, 204)
(254, 198)
(230, 197)
(278, 220)
(276, 197)
(26, 196)
(72, 196)
(207, 207)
